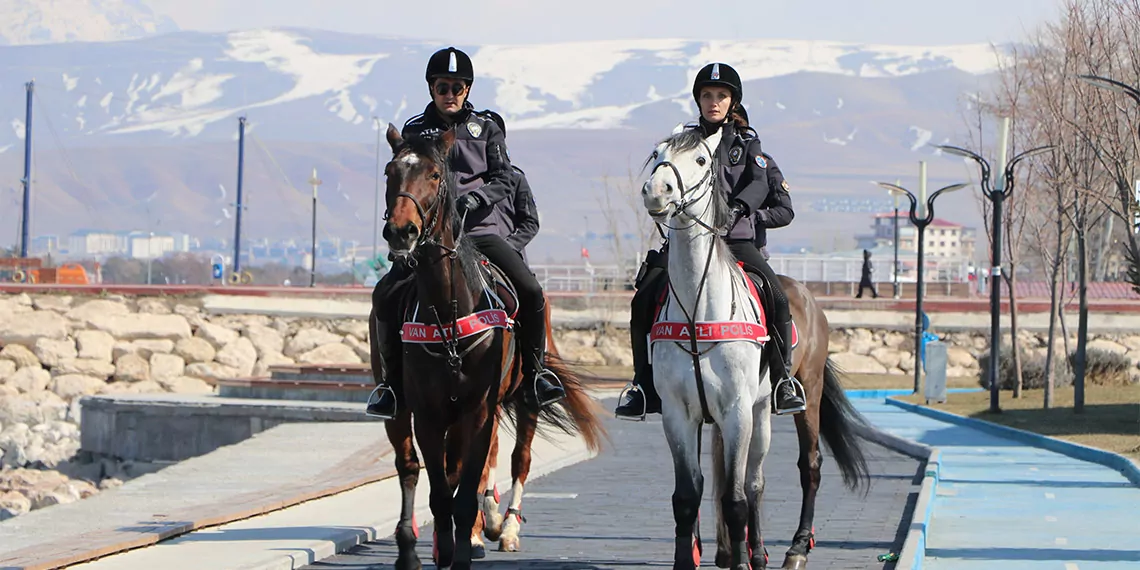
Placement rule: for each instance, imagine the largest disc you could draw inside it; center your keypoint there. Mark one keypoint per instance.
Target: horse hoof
(408, 561)
(461, 566)
(478, 552)
(794, 562)
(723, 559)
(493, 531)
(508, 545)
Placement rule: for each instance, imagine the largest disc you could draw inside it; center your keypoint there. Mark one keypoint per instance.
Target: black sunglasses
(455, 88)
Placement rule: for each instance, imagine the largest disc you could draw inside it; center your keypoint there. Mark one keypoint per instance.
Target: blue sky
(910, 22)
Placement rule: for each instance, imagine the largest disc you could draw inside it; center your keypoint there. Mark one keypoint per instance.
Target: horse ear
(394, 138)
(677, 129)
(448, 140)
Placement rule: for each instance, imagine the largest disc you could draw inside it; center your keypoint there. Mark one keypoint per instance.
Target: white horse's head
(682, 176)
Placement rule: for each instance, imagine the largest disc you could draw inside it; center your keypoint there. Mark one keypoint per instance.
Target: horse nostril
(411, 230)
(387, 232)
(668, 188)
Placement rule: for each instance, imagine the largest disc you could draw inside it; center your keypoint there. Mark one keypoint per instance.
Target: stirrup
(374, 398)
(796, 387)
(633, 388)
(554, 379)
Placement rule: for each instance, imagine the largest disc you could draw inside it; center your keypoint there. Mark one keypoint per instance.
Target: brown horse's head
(419, 203)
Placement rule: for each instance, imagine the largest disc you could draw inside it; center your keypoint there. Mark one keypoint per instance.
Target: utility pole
(315, 182)
(376, 211)
(26, 214)
(238, 206)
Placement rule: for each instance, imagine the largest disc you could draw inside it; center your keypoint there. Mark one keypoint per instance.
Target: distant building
(96, 243)
(944, 239)
(149, 245)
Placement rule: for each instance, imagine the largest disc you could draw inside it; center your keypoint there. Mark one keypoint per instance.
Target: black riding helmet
(720, 74)
(450, 62)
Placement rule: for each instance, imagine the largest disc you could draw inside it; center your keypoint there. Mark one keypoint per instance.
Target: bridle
(692, 194)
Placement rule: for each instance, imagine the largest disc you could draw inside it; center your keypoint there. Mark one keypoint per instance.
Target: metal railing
(583, 278)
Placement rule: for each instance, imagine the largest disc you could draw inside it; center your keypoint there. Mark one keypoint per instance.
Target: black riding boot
(547, 386)
(787, 399)
(384, 400)
(642, 398)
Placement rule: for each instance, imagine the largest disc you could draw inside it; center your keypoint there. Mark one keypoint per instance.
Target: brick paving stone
(622, 513)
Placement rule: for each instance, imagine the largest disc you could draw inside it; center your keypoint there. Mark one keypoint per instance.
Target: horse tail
(576, 414)
(837, 424)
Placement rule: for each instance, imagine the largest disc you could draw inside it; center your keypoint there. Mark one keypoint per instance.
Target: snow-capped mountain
(53, 21)
(121, 121)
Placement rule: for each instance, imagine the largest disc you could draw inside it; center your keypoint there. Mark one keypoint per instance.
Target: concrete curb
(914, 545)
(348, 538)
(1126, 467)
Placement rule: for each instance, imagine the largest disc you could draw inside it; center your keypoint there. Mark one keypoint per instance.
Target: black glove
(738, 211)
(468, 203)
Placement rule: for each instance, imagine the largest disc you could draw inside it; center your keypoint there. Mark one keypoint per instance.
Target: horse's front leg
(467, 495)
(754, 484)
(399, 432)
(723, 545)
(683, 434)
(431, 439)
(737, 435)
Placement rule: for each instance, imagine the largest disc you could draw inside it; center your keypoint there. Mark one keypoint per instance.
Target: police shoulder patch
(785, 186)
(474, 128)
(761, 162)
(734, 154)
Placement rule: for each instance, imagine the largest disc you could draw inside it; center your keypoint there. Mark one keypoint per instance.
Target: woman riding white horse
(708, 345)
(745, 178)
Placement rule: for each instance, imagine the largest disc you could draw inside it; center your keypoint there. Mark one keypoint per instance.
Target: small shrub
(1104, 368)
(1032, 370)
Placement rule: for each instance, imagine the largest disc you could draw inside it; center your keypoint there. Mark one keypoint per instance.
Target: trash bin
(935, 367)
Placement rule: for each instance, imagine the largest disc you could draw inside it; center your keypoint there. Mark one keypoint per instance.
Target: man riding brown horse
(500, 219)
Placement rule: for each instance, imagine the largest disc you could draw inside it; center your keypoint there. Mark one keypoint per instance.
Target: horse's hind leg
(683, 435)
(492, 520)
(810, 464)
(399, 432)
(525, 426)
(754, 485)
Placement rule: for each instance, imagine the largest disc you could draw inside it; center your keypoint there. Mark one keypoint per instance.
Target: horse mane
(468, 256)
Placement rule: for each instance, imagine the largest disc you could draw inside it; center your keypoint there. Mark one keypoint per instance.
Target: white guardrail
(590, 278)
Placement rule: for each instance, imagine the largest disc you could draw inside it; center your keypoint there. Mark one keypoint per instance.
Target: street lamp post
(376, 199)
(895, 267)
(315, 182)
(920, 224)
(149, 255)
(997, 197)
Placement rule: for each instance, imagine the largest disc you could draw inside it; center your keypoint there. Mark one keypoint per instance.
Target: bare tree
(624, 214)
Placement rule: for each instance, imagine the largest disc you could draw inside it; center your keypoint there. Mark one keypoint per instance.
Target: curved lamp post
(920, 224)
(996, 196)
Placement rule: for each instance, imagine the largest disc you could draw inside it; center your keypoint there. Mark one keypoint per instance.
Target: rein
(681, 206)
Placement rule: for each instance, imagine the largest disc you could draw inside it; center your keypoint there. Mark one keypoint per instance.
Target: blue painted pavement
(1003, 504)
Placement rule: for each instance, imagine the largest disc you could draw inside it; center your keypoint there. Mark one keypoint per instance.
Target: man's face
(449, 95)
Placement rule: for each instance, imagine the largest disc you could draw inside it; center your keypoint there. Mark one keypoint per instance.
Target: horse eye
(435, 176)
(701, 161)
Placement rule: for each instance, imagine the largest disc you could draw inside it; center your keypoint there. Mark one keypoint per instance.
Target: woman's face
(715, 103)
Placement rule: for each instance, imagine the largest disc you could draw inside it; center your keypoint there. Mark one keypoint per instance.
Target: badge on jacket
(474, 128)
(734, 154)
(785, 186)
(761, 162)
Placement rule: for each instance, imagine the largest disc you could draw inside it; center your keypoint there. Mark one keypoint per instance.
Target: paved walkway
(614, 511)
(1007, 505)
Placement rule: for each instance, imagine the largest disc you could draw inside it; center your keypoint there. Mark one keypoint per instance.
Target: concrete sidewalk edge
(914, 545)
(348, 538)
(1125, 466)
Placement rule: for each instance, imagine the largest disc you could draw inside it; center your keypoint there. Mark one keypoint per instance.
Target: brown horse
(456, 384)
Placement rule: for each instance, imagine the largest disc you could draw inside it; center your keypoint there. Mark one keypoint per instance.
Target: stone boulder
(216, 335)
(307, 339)
(132, 368)
(163, 366)
(857, 363)
(71, 386)
(88, 367)
(239, 355)
(143, 326)
(53, 352)
(21, 355)
(194, 350)
(89, 311)
(29, 380)
(26, 331)
(333, 353)
(96, 345)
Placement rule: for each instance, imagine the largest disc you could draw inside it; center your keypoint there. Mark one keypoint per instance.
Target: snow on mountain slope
(50, 21)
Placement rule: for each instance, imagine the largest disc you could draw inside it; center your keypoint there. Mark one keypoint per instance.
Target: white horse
(706, 369)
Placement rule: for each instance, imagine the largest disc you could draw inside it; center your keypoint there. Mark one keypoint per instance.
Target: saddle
(497, 307)
(745, 329)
